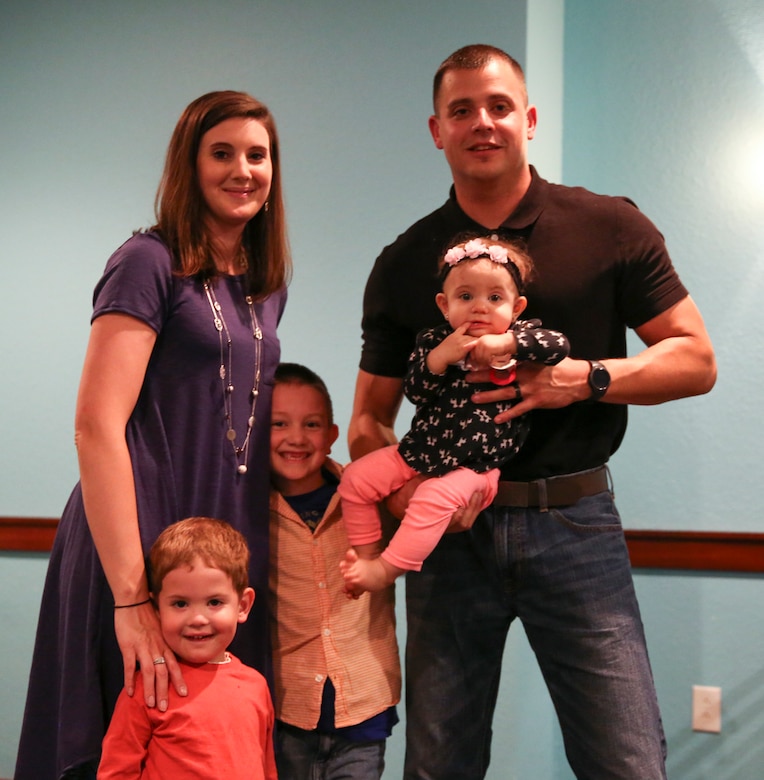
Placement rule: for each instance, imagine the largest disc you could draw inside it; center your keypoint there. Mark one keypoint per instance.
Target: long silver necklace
(226, 373)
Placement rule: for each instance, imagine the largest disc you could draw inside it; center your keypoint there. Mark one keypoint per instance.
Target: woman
(172, 421)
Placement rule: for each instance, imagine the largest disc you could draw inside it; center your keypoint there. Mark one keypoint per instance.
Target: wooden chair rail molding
(683, 550)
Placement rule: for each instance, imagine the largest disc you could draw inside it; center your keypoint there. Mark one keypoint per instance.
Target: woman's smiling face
(235, 171)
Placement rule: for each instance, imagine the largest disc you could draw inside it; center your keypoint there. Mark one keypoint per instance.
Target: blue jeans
(310, 755)
(565, 573)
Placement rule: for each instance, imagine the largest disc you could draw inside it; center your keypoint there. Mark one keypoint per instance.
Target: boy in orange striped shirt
(336, 668)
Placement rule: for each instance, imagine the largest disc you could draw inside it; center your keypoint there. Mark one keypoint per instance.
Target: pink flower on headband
(454, 255)
(475, 248)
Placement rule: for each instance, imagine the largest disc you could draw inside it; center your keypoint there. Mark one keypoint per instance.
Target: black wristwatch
(599, 380)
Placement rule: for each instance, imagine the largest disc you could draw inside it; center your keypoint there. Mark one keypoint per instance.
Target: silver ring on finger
(159, 661)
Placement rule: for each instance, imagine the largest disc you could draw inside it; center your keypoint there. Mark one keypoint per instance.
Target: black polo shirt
(601, 266)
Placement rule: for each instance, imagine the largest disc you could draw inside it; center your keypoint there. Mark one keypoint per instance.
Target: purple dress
(183, 466)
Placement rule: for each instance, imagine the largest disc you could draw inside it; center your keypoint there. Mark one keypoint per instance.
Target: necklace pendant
(221, 327)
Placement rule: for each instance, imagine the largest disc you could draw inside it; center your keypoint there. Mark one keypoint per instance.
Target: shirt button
(321, 584)
(319, 677)
(327, 632)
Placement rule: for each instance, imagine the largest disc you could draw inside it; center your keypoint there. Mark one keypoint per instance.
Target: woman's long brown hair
(180, 207)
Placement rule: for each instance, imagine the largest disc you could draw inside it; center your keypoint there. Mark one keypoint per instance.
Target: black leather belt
(555, 491)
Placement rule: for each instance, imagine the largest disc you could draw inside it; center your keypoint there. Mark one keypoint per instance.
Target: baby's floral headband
(475, 248)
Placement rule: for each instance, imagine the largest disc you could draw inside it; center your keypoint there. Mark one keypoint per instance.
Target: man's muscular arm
(678, 362)
(375, 407)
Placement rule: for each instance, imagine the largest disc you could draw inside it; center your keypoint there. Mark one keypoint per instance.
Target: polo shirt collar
(524, 216)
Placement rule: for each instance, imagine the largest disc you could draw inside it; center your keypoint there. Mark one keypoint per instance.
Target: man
(550, 550)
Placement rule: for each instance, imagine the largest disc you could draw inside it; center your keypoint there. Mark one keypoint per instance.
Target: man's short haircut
(214, 542)
(473, 57)
(296, 374)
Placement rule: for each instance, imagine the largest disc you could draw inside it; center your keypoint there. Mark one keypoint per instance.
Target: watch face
(599, 379)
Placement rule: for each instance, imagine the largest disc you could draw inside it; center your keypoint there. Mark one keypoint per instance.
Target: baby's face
(482, 293)
(199, 610)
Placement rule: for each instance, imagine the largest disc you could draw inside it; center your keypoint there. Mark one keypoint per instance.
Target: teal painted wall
(660, 100)
(664, 102)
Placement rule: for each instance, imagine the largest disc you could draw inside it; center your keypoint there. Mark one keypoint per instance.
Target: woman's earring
(266, 206)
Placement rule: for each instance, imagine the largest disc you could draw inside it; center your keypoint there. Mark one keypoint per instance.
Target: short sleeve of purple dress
(183, 465)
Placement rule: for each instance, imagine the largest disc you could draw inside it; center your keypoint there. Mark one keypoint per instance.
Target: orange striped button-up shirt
(318, 632)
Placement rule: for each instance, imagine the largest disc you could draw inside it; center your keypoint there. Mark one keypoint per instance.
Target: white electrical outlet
(706, 708)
